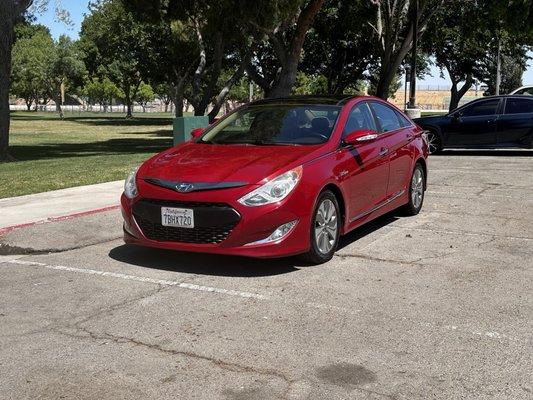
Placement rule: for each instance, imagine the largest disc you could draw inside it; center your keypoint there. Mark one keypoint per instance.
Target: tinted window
(403, 121)
(387, 118)
(488, 107)
(360, 118)
(518, 106)
(273, 124)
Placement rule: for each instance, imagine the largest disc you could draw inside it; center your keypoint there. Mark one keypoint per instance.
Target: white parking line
(191, 286)
(183, 285)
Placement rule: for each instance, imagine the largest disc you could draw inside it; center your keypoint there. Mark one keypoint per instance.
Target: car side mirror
(360, 136)
(197, 132)
(457, 116)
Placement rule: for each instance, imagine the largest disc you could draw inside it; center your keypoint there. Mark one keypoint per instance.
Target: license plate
(177, 217)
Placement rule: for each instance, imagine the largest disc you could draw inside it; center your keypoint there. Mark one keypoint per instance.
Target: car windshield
(275, 124)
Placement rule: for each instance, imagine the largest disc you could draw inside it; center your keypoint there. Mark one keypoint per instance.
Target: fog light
(278, 234)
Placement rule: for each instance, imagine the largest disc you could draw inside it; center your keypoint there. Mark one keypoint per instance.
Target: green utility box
(184, 125)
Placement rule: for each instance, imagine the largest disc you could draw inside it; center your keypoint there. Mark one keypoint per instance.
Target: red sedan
(279, 177)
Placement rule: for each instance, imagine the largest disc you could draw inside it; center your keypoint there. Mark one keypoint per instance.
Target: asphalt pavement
(436, 306)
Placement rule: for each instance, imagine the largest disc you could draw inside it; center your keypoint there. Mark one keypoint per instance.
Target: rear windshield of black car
(279, 124)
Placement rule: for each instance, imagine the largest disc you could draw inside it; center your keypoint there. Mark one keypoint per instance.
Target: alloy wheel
(326, 226)
(417, 188)
(433, 142)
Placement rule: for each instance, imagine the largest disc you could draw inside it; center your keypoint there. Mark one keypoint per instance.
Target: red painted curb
(7, 229)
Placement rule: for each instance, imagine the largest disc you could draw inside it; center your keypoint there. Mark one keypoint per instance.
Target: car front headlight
(274, 190)
(130, 186)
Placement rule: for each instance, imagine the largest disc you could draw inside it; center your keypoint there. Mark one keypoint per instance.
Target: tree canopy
(206, 52)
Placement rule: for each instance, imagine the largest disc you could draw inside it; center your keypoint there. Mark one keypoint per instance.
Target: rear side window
(404, 122)
(360, 118)
(387, 117)
(519, 106)
(480, 108)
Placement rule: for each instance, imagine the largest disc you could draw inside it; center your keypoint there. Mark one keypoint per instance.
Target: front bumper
(251, 225)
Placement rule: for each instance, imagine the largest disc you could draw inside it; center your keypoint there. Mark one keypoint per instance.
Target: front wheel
(434, 142)
(417, 188)
(325, 229)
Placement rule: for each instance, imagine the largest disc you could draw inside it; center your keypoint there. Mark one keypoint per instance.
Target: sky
(77, 9)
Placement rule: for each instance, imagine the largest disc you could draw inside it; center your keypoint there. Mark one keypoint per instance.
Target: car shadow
(485, 152)
(368, 228)
(231, 266)
(203, 264)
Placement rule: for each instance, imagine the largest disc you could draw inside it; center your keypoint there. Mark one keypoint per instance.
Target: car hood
(192, 162)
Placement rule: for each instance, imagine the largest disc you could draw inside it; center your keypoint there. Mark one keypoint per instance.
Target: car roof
(336, 100)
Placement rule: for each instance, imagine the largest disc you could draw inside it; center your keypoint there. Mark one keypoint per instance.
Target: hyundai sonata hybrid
(279, 177)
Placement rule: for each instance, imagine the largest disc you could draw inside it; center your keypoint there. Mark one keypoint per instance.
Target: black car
(490, 122)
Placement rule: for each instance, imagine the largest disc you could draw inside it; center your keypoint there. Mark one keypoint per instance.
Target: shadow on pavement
(367, 229)
(220, 265)
(203, 264)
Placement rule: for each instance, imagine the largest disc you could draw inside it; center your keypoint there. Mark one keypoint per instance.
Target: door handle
(384, 151)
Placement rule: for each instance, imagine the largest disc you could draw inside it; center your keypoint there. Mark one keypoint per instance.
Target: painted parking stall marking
(490, 334)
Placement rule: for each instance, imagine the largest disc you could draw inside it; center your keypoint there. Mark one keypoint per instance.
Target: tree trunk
(178, 98)
(127, 98)
(6, 43)
(286, 79)
(457, 94)
(59, 109)
(291, 58)
(129, 110)
(221, 97)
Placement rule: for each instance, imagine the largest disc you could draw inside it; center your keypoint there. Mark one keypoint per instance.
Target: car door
(364, 166)
(515, 126)
(474, 124)
(398, 132)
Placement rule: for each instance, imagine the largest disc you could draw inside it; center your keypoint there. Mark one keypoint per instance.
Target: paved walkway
(58, 204)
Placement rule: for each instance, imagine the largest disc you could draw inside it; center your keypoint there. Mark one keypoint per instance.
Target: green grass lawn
(82, 149)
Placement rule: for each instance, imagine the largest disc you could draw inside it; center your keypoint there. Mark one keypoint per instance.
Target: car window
(519, 106)
(360, 118)
(487, 107)
(403, 121)
(275, 124)
(387, 118)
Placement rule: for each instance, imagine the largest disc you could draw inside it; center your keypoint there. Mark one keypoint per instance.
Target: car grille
(215, 221)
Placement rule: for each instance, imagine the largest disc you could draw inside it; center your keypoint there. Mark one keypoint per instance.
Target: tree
(393, 35)
(458, 38)
(513, 59)
(117, 46)
(11, 12)
(199, 46)
(30, 59)
(101, 91)
(285, 24)
(145, 94)
(338, 49)
(163, 91)
(66, 69)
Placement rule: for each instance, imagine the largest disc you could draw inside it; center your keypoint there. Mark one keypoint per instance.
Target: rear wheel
(417, 188)
(434, 142)
(325, 229)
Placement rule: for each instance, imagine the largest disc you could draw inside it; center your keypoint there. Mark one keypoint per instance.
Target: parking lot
(433, 306)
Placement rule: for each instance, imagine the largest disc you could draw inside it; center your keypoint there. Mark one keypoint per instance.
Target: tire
(324, 237)
(434, 142)
(417, 187)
